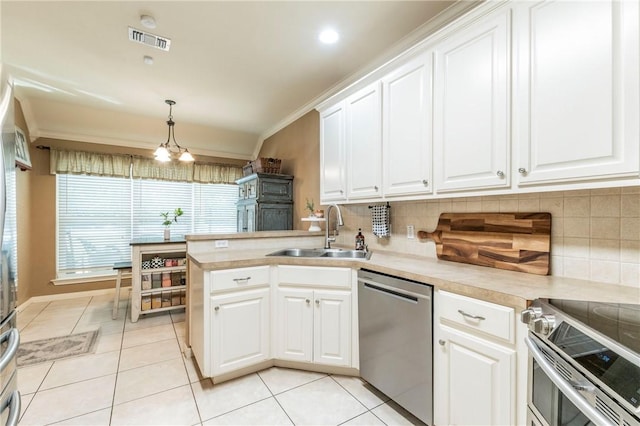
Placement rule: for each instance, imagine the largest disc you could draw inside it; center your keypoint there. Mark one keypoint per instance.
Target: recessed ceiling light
(147, 60)
(148, 21)
(329, 36)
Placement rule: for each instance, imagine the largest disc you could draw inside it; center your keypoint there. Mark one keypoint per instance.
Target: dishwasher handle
(389, 292)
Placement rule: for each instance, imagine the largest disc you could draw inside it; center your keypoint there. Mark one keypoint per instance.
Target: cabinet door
(239, 329)
(250, 212)
(295, 325)
(474, 379)
(406, 123)
(364, 143)
(332, 327)
(332, 154)
(578, 96)
(471, 113)
(274, 217)
(242, 218)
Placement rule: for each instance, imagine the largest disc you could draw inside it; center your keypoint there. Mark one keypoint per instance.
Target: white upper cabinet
(471, 105)
(364, 143)
(406, 123)
(577, 90)
(332, 154)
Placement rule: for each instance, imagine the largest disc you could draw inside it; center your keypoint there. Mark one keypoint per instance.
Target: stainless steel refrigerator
(9, 335)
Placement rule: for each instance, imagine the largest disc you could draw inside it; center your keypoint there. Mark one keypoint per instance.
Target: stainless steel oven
(584, 363)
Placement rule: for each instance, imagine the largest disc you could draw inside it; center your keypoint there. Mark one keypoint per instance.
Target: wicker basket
(266, 165)
(247, 169)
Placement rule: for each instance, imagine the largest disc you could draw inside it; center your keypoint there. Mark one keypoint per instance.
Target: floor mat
(56, 348)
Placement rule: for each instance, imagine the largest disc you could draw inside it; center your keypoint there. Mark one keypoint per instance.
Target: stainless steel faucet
(327, 239)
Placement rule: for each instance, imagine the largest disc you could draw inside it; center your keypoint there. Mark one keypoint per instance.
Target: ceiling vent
(149, 39)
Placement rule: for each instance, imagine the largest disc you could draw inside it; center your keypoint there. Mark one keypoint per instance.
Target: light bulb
(186, 156)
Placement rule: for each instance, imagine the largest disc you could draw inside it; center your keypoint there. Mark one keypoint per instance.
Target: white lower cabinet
(314, 326)
(242, 319)
(314, 314)
(474, 366)
(240, 329)
(474, 380)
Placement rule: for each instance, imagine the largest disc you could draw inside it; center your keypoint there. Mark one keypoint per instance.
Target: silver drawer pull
(245, 279)
(473, 317)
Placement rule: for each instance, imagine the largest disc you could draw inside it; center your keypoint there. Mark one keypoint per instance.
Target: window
(99, 216)
(94, 223)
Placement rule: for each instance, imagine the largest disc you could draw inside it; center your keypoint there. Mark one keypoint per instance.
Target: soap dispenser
(359, 240)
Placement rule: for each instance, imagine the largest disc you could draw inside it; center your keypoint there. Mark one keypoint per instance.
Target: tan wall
(298, 145)
(37, 216)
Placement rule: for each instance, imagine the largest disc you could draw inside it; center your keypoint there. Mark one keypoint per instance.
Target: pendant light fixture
(165, 151)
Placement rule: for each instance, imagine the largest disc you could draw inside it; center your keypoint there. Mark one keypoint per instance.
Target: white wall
(595, 233)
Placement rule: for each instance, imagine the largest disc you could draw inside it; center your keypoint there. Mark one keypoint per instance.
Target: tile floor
(138, 375)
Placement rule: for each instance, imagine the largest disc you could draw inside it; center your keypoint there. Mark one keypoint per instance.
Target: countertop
(158, 240)
(508, 288)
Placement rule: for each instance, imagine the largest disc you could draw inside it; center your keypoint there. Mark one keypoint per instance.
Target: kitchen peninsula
(235, 289)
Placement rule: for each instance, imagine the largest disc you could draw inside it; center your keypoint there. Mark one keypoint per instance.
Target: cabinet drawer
(237, 279)
(478, 315)
(275, 189)
(317, 276)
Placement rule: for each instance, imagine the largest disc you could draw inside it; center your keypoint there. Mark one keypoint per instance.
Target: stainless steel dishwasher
(396, 348)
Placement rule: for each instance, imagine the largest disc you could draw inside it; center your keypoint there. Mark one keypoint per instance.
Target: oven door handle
(566, 388)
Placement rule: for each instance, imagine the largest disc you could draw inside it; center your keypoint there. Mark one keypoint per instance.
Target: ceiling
(238, 70)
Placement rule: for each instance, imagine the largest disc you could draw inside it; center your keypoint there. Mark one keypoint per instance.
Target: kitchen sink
(296, 252)
(319, 252)
(348, 254)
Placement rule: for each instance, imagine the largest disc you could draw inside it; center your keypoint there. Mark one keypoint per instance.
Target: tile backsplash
(595, 234)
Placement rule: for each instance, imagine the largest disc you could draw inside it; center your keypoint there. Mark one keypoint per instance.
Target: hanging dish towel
(380, 221)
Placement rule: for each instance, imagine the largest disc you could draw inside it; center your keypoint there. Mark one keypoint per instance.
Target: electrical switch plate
(222, 243)
(411, 232)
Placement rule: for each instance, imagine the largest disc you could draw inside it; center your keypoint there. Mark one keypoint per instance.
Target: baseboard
(62, 296)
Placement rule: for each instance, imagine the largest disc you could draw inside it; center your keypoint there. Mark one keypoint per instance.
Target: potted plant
(312, 209)
(310, 206)
(168, 220)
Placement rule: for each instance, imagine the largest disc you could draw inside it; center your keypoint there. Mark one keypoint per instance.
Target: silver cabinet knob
(308, 301)
(217, 308)
(522, 171)
(317, 302)
(500, 173)
(425, 182)
(375, 188)
(442, 342)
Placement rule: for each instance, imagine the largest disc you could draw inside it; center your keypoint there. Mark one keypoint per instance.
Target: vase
(167, 234)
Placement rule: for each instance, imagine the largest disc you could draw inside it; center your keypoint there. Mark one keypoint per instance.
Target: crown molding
(404, 47)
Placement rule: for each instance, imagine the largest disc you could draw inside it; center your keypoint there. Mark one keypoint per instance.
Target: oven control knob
(543, 325)
(528, 315)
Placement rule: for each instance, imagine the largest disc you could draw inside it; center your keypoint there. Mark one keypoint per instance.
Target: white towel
(380, 221)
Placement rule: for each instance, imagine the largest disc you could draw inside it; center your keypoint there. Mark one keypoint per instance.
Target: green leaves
(176, 214)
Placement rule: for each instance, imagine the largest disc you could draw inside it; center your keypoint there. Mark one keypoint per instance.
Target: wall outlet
(411, 232)
(222, 243)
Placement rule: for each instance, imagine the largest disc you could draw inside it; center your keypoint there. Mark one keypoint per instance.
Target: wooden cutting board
(513, 241)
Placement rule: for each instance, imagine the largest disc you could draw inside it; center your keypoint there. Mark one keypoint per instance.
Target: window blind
(152, 197)
(94, 223)
(99, 216)
(215, 208)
